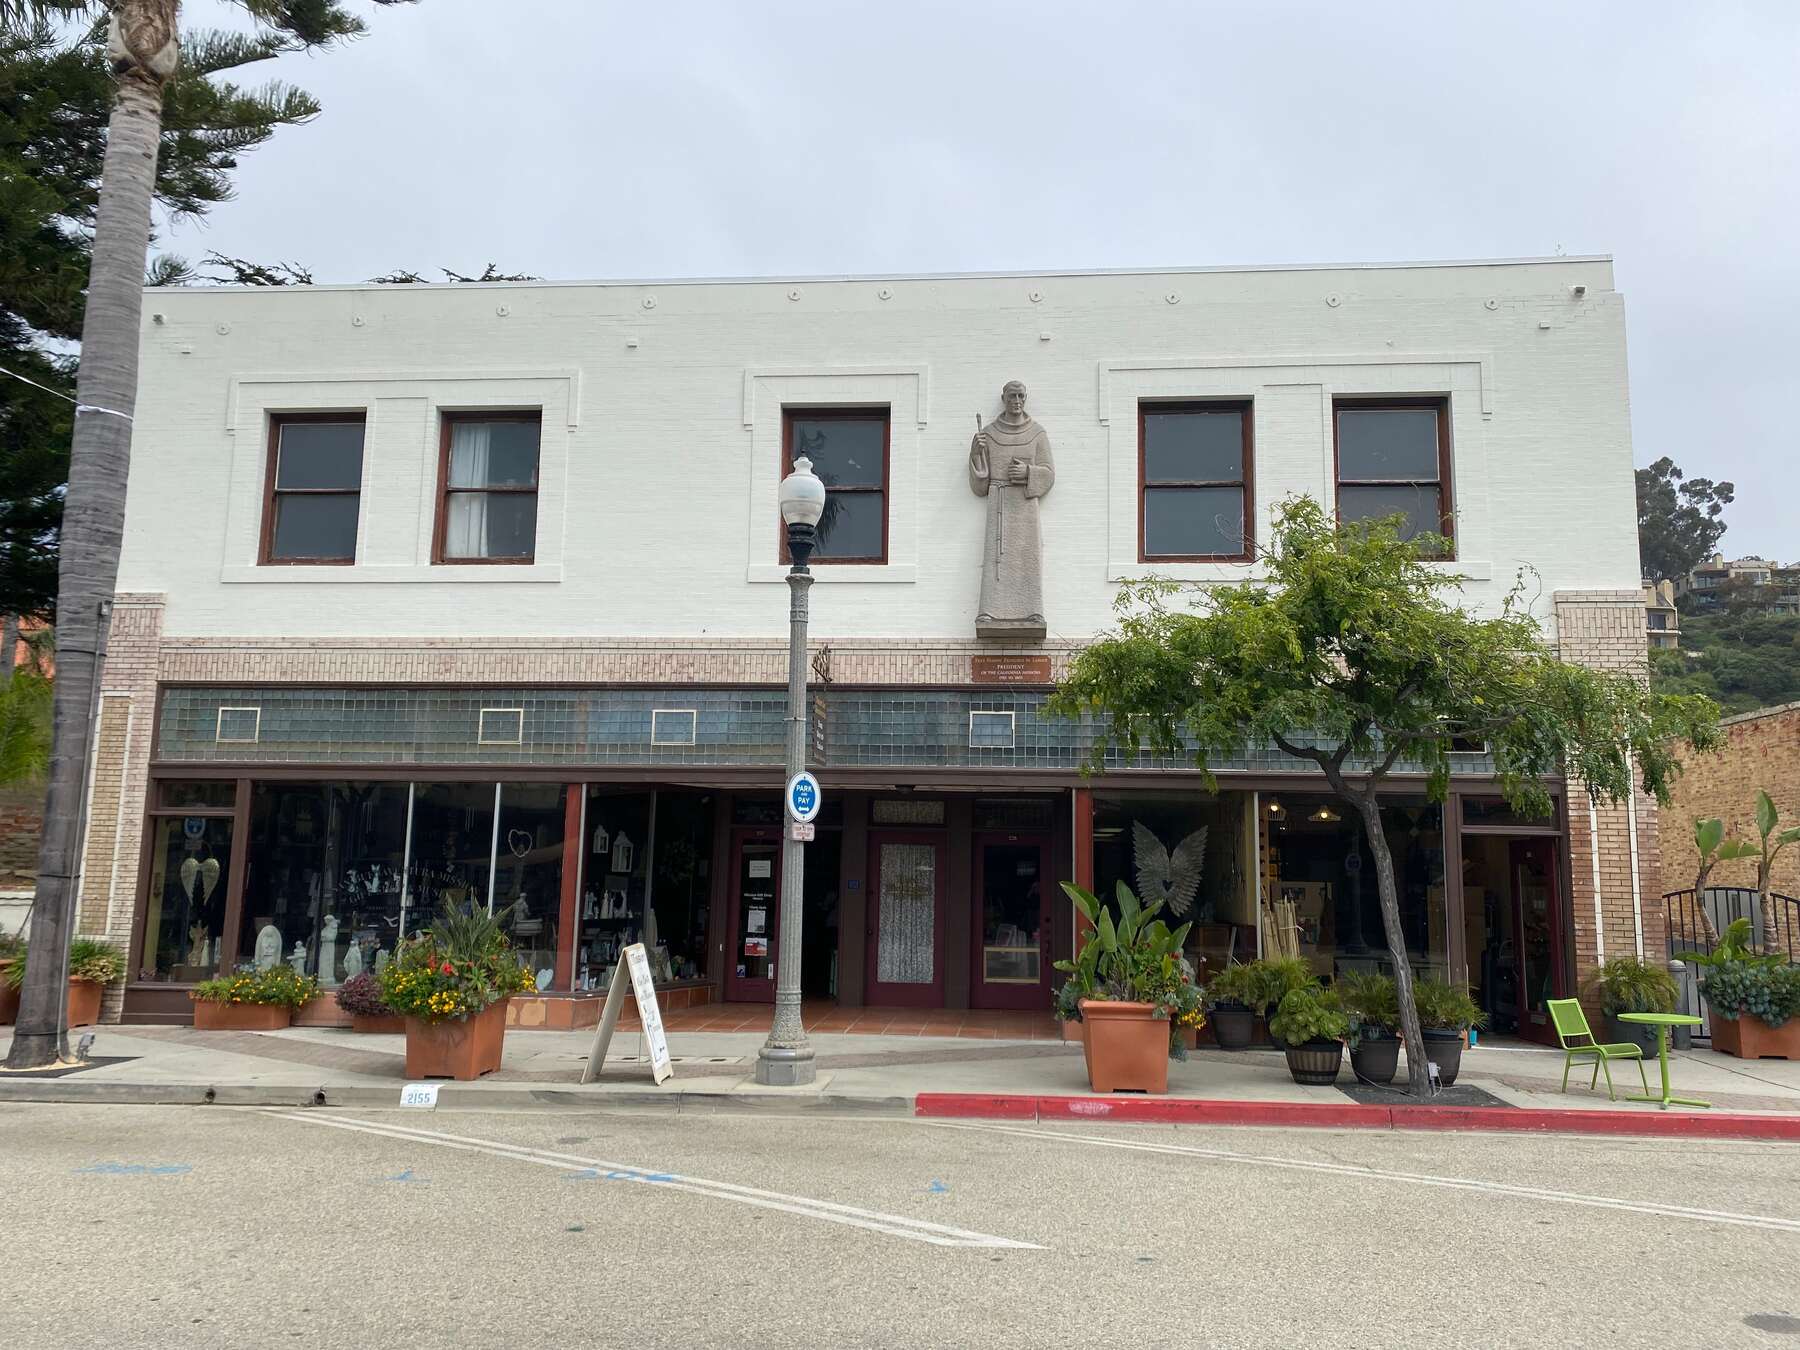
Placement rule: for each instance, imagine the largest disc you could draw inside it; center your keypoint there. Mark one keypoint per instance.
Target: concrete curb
(1353, 1115)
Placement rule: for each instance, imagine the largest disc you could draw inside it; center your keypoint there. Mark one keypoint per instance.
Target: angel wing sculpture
(1171, 877)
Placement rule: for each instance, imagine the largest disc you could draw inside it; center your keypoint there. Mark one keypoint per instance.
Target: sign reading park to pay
(803, 797)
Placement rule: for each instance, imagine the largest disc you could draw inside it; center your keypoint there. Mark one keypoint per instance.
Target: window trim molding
(1246, 408)
(447, 418)
(868, 412)
(1438, 403)
(265, 548)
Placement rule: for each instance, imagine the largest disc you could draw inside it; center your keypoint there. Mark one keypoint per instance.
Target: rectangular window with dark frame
(1196, 477)
(1393, 459)
(848, 448)
(488, 488)
(313, 489)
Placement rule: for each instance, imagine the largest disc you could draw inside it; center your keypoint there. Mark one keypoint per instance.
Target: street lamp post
(786, 1058)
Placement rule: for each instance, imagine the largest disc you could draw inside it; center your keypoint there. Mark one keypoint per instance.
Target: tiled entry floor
(823, 1015)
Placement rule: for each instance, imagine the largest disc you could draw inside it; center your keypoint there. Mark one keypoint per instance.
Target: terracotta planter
(380, 1024)
(463, 1049)
(1750, 1037)
(1127, 1047)
(1074, 1032)
(9, 999)
(239, 1016)
(84, 1002)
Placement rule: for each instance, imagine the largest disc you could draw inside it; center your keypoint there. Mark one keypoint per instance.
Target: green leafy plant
(1310, 1014)
(1260, 984)
(1626, 984)
(89, 959)
(1733, 949)
(1231, 986)
(461, 965)
(1136, 959)
(1736, 989)
(1371, 1002)
(1446, 1007)
(280, 986)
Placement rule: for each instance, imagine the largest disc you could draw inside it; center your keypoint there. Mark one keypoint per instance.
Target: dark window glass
(1196, 482)
(1495, 811)
(180, 792)
(315, 491)
(1385, 444)
(528, 880)
(615, 873)
(683, 874)
(453, 838)
(315, 526)
(1421, 505)
(184, 913)
(490, 489)
(849, 454)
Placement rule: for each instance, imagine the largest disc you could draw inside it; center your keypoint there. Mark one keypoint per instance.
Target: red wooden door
(1010, 907)
(753, 916)
(1538, 920)
(906, 919)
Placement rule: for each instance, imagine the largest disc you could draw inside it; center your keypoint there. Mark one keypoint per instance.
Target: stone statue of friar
(1010, 465)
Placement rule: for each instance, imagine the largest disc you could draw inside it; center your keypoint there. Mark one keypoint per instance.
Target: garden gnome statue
(268, 947)
(1010, 465)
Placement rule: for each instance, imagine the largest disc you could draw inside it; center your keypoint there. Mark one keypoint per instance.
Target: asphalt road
(127, 1226)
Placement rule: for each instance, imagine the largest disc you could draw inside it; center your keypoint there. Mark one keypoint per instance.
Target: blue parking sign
(803, 797)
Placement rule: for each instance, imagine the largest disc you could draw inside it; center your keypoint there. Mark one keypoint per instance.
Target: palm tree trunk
(1368, 806)
(142, 52)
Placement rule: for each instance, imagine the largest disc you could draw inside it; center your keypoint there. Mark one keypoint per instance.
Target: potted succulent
(1446, 1012)
(1755, 1008)
(1312, 1027)
(451, 983)
(1628, 985)
(360, 996)
(1130, 983)
(1275, 977)
(92, 966)
(249, 999)
(1372, 1005)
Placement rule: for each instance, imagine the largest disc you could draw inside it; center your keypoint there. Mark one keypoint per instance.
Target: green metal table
(1662, 1022)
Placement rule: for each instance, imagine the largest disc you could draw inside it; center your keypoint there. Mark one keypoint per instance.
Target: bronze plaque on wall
(1009, 669)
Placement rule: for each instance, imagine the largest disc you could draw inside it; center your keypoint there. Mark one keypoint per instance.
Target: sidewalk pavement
(913, 1075)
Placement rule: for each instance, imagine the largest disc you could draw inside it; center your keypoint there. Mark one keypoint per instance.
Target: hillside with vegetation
(1742, 661)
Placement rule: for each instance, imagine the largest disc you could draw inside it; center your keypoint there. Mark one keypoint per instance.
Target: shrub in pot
(93, 965)
(1312, 1025)
(1228, 996)
(1276, 977)
(451, 983)
(1132, 989)
(249, 999)
(1446, 1012)
(360, 996)
(1626, 984)
(1755, 1007)
(1372, 1005)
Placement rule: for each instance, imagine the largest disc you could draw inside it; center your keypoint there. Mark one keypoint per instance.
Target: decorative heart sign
(519, 841)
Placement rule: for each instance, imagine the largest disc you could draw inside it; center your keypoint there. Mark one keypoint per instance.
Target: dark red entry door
(754, 920)
(905, 934)
(1011, 911)
(1537, 919)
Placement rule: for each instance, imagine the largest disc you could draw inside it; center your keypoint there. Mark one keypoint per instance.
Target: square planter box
(463, 1049)
(239, 1017)
(84, 1002)
(1752, 1038)
(378, 1024)
(1127, 1047)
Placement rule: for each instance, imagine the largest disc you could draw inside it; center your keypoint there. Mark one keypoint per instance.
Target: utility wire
(57, 393)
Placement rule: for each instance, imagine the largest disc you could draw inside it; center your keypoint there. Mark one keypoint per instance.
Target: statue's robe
(1012, 559)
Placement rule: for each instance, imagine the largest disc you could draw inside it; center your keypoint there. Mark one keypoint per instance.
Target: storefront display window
(184, 916)
(528, 878)
(1320, 875)
(323, 877)
(615, 869)
(452, 848)
(683, 878)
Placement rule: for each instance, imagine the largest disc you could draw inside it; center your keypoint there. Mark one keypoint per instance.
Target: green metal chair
(1578, 1043)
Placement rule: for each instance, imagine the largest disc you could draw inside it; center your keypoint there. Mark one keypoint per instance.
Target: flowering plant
(279, 986)
(360, 996)
(459, 966)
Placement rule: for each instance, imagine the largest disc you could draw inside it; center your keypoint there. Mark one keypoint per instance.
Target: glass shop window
(615, 875)
(528, 879)
(184, 912)
(682, 893)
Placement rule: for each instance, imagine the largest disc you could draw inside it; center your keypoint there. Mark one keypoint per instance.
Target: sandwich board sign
(635, 971)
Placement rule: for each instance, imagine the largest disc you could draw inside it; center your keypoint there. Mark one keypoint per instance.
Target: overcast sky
(587, 138)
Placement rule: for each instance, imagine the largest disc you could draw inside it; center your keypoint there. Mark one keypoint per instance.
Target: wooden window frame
(440, 527)
(265, 552)
(1246, 408)
(1438, 403)
(881, 413)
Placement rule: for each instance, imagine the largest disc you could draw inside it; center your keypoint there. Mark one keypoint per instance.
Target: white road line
(894, 1225)
(1766, 1221)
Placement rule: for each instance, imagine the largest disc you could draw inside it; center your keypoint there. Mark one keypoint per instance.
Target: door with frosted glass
(1012, 923)
(906, 920)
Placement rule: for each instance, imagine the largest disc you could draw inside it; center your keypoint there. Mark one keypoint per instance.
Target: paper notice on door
(761, 869)
(756, 921)
(756, 946)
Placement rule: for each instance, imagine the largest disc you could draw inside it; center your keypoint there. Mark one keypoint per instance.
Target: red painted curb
(1353, 1115)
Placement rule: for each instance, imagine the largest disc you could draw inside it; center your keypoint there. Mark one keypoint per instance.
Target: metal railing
(1695, 921)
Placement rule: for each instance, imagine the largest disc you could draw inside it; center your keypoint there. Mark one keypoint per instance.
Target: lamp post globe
(802, 498)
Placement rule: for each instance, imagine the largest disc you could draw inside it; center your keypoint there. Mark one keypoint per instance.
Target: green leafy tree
(142, 60)
(1679, 523)
(1352, 657)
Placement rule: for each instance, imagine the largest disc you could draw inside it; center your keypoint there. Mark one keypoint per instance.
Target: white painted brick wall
(657, 515)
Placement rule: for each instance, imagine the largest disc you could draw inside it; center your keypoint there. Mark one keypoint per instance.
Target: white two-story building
(475, 592)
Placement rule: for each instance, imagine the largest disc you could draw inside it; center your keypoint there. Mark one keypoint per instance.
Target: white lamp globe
(802, 495)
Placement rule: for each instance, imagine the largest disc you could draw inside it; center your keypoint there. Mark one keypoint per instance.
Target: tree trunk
(94, 514)
(1368, 806)
(9, 647)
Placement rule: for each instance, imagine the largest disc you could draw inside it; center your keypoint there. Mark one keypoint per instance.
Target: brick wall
(1761, 750)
